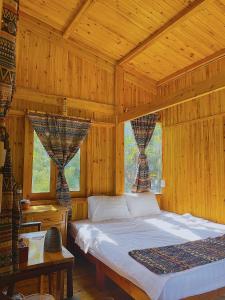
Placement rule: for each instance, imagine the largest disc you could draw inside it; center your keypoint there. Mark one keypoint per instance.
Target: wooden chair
(11, 288)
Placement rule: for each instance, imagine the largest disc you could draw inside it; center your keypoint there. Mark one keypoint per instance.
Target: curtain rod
(58, 115)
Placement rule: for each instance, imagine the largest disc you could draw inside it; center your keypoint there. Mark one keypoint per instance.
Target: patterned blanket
(176, 258)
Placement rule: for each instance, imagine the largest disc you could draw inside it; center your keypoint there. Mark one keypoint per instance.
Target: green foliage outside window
(72, 172)
(153, 151)
(41, 171)
(41, 168)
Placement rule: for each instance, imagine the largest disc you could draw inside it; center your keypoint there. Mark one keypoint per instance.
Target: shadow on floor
(85, 287)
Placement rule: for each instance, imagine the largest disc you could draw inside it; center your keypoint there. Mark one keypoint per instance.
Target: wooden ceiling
(156, 38)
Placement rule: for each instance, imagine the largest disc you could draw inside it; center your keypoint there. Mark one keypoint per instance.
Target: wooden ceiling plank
(199, 89)
(97, 35)
(178, 18)
(78, 14)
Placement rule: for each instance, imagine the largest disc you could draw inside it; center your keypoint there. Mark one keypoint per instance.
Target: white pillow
(101, 208)
(142, 204)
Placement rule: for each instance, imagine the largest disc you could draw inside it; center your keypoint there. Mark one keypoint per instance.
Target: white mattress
(110, 242)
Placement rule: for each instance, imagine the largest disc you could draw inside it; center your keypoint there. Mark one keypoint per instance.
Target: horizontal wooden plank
(15, 112)
(82, 104)
(199, 89)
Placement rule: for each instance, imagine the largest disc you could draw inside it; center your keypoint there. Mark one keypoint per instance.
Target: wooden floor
(86, 289)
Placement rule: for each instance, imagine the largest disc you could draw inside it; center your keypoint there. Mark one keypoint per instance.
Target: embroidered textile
(8, 54)
(10, 214)
(177, 258)
(143, 129)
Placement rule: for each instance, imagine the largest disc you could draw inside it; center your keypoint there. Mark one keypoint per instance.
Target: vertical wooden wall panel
(130, 91)
(119, 159)
(100, 161)
(49, 64)
(15, 129)
(193, 157)
(134, 90)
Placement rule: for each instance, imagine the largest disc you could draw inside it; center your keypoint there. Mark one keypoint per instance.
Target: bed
(108, 242)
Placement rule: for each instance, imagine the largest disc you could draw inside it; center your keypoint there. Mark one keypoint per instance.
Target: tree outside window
(154, 154)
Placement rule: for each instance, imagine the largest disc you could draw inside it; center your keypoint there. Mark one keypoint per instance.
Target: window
(153, 151)
(72, 173)
(41, 169)
(40, 172)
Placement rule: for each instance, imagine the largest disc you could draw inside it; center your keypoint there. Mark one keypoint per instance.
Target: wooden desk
(42, 263)
(48, 215)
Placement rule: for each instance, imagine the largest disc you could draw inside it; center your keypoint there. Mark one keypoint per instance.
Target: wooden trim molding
(15, 112)
(199, 89)
(177, 19)
(77, 103)
(78, 14)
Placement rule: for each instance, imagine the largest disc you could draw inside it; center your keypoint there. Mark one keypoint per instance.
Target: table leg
(60, 285)
(70, 281)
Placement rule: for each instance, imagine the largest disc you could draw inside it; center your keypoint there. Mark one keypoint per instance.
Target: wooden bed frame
(130, 288)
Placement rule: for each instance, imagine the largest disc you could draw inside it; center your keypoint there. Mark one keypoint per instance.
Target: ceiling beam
(177, 19)
(20, 113)
(200, 63)
(76, 103)
(199, 89)
(78, 14)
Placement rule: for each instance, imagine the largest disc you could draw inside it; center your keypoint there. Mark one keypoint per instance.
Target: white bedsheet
(110, 242)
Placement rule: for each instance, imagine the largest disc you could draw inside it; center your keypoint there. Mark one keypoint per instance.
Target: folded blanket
(176, 258)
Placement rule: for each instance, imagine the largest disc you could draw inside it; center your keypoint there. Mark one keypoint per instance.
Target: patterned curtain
(9, 210)
(10, 213)
(143, 129)
(8, 54)
(61, 138)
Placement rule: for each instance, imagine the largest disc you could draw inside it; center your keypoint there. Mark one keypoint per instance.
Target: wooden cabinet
(48, 215)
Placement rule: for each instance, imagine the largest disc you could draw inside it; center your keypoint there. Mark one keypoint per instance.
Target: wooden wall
(193, 137)
(133, 89)
(48, 65)
(193, 149)
(50, 68)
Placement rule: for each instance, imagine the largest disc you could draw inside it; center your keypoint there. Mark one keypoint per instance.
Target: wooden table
(42, 263)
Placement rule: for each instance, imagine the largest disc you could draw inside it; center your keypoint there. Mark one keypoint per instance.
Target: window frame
(28, 167)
